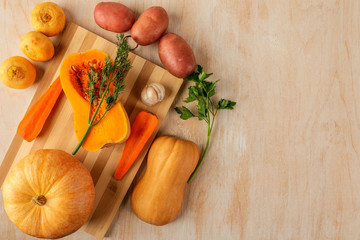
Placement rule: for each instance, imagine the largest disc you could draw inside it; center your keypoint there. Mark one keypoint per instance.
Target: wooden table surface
(285, 163)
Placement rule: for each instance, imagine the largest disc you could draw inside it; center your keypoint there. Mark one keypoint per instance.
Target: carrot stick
(32, 123)
(141, 130)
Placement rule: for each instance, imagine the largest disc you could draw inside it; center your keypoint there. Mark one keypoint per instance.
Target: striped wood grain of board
(58, 132)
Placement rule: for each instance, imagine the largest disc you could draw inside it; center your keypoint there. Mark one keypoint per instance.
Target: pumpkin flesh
(115, 126)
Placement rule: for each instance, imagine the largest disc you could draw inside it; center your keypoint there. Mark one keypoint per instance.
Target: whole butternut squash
(158, 196)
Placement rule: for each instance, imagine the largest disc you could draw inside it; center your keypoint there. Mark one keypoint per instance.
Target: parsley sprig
(113, 73)
(202, 92)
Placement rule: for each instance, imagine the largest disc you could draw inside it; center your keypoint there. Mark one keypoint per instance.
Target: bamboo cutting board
(58, 132)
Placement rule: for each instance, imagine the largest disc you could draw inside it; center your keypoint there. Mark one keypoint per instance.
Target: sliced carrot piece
(141, 130)
(32, 123)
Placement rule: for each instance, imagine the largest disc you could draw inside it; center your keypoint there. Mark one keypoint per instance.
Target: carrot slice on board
(141, 130)
(32, 123)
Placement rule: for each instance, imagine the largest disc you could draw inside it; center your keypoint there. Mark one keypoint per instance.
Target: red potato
(114, 17)
(149, 27)
(176, 55)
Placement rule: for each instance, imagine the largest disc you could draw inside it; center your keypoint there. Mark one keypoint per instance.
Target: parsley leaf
(193, 77)
(193, 94)
(185, 113)
(178, 110)
(202, 108)
(226, 104)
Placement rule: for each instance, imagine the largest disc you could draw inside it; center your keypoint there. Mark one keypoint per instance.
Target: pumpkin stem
(39, 200)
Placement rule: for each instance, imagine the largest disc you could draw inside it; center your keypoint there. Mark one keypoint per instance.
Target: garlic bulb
(152, 94)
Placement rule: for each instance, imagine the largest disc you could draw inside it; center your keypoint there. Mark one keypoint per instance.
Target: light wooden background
(285, 163)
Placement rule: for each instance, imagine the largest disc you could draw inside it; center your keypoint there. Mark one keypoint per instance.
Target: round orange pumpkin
(48, 194)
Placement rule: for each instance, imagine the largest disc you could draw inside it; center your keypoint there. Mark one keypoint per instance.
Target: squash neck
(39, 200)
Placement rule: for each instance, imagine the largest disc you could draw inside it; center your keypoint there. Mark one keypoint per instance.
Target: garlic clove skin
(152, 94)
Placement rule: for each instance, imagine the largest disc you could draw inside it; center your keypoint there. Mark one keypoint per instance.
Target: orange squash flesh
(115, 126)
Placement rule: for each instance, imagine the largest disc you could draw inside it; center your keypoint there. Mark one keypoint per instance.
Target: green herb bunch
(113, 73)
(202, 92)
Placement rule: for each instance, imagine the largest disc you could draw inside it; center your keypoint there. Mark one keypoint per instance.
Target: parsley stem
(205, 151)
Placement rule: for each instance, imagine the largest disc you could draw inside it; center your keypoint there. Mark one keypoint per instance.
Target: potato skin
(17, 72)
(48, 18)
(149, 27)
(176, 55)
(37, 46)
(114, 17)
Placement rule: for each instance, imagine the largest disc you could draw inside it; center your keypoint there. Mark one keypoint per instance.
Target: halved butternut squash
(115, 126)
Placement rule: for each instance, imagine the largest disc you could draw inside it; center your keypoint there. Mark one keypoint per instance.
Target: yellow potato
(37, 46)
(17, 72)
(48, 18)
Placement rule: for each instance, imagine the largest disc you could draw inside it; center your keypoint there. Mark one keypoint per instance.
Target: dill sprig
(113, 73)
